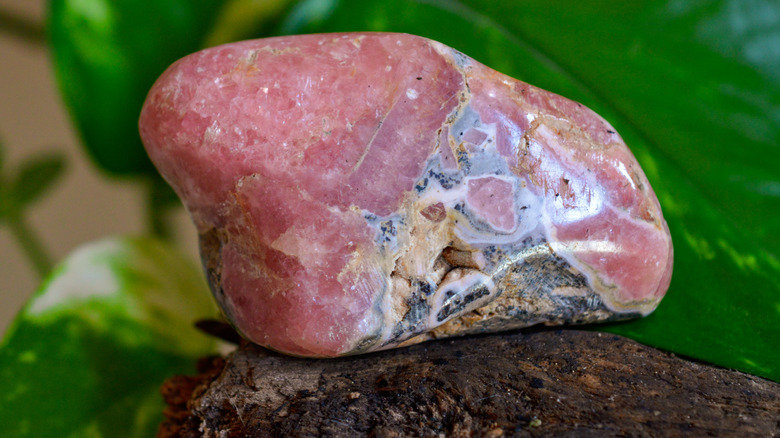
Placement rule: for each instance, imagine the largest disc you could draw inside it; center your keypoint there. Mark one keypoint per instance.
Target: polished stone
(356, 192)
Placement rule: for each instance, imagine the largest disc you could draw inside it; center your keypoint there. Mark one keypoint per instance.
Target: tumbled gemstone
(356, 192)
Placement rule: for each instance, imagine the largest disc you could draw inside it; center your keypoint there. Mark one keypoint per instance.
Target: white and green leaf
(88, 353)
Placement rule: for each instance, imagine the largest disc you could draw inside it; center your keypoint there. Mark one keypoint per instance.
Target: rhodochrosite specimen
(356, 192)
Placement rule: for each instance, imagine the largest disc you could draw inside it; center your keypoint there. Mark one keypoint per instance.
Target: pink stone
(356, 192)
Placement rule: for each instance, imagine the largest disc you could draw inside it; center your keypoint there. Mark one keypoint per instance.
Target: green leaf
(87, 355)
(246, 19)
(702, 118)
(107, 55)
(35, 177)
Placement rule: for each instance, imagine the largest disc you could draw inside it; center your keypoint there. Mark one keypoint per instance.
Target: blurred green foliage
(107, 55)
(21, 188)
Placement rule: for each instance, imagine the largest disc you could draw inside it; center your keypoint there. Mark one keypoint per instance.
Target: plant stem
(22, 28)
(30, 243)
(158, 203)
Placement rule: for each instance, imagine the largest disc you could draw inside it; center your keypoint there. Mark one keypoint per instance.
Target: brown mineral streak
(259, 269)
(434, 212)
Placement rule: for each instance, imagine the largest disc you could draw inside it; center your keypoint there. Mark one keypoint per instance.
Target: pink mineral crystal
(356, 192)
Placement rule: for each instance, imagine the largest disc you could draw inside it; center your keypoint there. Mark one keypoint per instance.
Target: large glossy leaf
(693, 88)
(87, 355)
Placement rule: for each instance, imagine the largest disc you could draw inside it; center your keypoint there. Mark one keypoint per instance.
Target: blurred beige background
(85, 204)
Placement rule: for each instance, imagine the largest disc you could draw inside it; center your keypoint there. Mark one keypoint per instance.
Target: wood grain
(545, 383)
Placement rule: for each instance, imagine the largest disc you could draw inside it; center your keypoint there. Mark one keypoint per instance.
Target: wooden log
(545, 383)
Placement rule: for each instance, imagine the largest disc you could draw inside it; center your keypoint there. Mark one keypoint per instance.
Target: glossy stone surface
(356, 192)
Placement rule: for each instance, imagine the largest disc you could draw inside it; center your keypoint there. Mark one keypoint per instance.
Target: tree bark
(545, 383)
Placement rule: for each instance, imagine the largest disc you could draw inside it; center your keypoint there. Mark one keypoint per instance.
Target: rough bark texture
(561, 383)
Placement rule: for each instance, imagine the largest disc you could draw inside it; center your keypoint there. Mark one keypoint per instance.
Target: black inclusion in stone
(455, 303)
(388, 230)
(413, 321)
(447, 182)
(421, 185)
